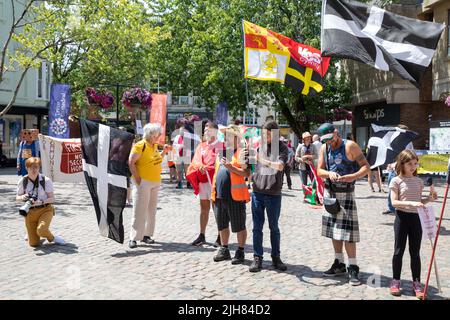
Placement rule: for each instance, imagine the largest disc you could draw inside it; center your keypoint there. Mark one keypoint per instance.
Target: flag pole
(436, 238)
(245, 76)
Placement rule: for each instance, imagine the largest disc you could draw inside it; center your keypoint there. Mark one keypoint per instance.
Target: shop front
(14, 121)
(364, 116)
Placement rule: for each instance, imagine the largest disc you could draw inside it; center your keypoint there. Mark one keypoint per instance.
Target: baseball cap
(326, 132)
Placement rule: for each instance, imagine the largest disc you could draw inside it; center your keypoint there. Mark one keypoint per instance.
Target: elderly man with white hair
(145, 164)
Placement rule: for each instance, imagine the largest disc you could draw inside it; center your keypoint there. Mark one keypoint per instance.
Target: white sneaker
(25, 237)
(59, 240)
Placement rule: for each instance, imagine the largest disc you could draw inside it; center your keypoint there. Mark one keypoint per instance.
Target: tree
(34, 27)
(206, 36)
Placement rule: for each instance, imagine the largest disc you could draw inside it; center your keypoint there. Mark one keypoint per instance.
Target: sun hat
(306, 135)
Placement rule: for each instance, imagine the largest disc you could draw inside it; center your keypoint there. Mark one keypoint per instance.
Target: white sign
(139, 129)
(61, 159)
(428, 222)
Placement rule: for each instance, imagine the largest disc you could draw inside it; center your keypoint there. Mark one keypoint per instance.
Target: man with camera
(341, 163)
(36, 191)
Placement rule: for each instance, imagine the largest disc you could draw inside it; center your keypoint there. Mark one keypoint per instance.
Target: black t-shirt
(223, 183)
(268, 180)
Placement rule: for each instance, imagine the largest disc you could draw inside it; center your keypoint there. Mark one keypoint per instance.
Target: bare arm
(321, 168)
(132, 164)
(404, 204)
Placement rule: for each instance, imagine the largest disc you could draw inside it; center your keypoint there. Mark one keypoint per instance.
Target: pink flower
(447, 101)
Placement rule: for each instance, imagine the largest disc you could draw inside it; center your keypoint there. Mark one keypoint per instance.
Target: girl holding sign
(406, 194)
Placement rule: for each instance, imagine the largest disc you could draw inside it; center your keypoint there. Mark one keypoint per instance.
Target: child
(406, 194)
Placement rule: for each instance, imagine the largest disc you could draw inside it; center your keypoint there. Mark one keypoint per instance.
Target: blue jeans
(391, 176)
(272, 205)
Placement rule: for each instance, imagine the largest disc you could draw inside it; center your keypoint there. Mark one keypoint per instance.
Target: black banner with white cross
(379, 38)
(105, 165)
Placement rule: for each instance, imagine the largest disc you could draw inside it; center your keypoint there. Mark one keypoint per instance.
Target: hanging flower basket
(101, 99)
(137, 99)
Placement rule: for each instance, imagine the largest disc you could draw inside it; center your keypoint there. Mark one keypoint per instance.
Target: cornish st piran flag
(105, 154)
(382, 39)
(386, 143)
(270, 56)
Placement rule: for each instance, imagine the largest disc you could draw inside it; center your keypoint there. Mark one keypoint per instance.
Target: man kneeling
(36, 191)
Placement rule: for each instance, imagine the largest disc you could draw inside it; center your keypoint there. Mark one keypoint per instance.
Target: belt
(41, 206)
(340, 187)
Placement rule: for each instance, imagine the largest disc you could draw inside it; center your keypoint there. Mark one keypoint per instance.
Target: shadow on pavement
(68, 248)
(158, 247)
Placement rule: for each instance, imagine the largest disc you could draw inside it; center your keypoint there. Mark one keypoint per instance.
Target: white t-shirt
(42, 194)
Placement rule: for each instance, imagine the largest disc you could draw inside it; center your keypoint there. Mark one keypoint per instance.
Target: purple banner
(222, 113)
(58, 114)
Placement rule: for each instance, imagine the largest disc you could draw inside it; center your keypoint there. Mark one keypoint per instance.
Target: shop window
(250, 116)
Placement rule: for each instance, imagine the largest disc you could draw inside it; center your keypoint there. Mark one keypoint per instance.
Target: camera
(23, 210)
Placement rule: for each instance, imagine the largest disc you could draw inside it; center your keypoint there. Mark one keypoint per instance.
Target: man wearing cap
(305, 155)
(230, 194)
(341, 163)
(271, 159)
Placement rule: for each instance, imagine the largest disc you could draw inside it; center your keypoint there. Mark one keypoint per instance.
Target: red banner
(158, 113)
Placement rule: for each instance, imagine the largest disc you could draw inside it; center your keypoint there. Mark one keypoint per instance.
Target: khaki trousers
(37, 223)
(145, 199)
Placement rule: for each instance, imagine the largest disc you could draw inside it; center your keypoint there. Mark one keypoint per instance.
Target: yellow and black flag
(270, 56)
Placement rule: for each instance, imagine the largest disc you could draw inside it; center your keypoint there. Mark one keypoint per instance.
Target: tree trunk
(295, 116)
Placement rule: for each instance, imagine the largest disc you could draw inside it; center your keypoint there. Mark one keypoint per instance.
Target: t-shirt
(41, 193)
(149, 164)
(408, 189)
(223, 183)
(266, 179)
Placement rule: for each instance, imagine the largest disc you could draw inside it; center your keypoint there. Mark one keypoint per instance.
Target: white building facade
(31, 106)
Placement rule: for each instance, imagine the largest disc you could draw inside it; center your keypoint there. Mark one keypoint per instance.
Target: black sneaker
(222, 254)
(256, 265)
(199, 241)
(148, 240)
(188, 186)
(239, 257)
(217, 243)
(337, 269)
(179, 185)
(353, 275)
(387, 212)
(278, 264)
(132, 244)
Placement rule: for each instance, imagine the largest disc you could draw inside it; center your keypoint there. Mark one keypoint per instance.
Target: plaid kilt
(344, 225)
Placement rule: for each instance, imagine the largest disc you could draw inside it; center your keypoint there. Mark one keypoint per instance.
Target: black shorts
(227, 211)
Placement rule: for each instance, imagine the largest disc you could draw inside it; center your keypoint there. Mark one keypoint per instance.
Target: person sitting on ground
(39, 189)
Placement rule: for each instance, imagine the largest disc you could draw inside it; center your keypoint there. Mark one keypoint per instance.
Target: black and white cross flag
(386, 143)
(379, 38)
(105, 166)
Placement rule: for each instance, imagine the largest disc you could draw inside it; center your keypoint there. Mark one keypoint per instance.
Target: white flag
(62, 159)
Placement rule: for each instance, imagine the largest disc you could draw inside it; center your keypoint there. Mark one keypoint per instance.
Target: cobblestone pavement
(93, 267)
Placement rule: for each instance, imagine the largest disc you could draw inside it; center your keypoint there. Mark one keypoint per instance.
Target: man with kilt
(341, 163)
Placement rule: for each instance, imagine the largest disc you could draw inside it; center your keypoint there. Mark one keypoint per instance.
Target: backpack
(25, 182)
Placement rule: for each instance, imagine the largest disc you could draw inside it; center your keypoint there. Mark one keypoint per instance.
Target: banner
(58, 114)
(62, 160)
(432, 162)
(222, 113)
(158, 114)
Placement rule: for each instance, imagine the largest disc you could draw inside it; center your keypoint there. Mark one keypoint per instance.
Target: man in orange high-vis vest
(230, 194)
